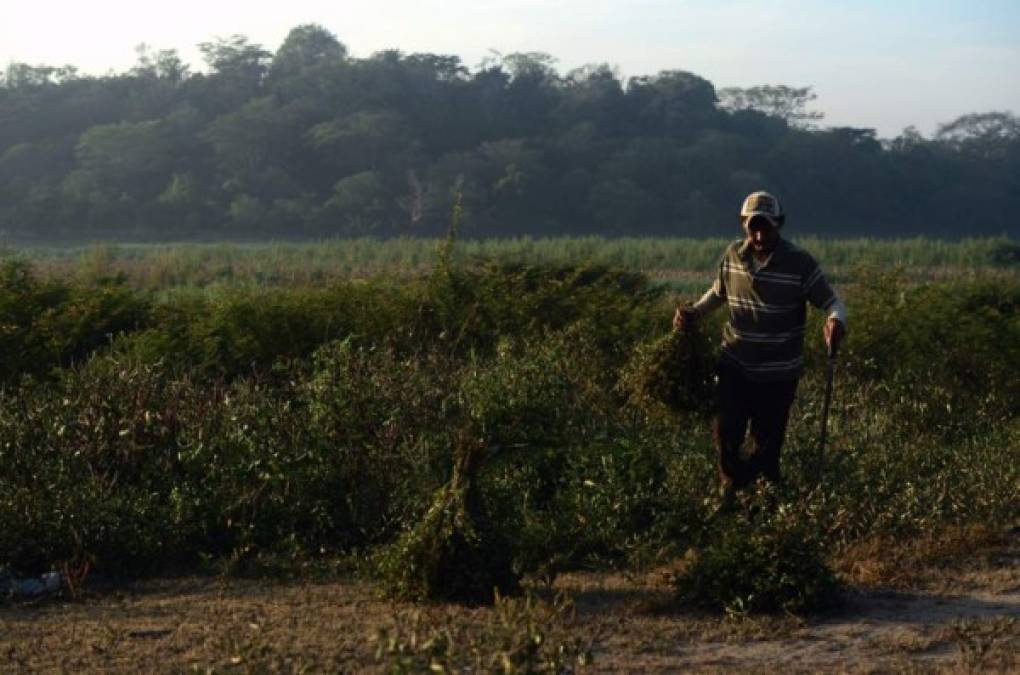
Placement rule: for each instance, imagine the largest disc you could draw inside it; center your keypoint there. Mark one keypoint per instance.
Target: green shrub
(301, 422)
(45, 325)
(80, 457)
(382, 432)
(469, 309)
(769, 563)
(939, 356)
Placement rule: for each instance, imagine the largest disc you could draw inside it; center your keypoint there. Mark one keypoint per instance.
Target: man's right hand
(684, 318)
(834, 332)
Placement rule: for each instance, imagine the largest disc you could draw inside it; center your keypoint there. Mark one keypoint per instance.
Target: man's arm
(708, 303)
(838, 311)
(713, 299)
(821, 295)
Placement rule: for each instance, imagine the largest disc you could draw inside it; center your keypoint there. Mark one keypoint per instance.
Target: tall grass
(169, 266)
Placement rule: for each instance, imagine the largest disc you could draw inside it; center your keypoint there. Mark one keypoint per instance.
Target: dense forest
(311, 142)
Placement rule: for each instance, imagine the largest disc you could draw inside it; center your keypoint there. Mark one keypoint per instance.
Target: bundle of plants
(455, 553)
(675, 371)
(770, 563)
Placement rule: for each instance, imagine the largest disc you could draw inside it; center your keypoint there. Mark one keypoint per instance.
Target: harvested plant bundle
(775, 562)
(454, 553)
(675, 371)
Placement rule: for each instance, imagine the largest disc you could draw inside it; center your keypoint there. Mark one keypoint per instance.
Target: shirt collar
(745, 253)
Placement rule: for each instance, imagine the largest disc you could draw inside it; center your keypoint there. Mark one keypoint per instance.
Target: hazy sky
(882, 64)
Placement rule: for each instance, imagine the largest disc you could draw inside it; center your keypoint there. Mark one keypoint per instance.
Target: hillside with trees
(312, 142)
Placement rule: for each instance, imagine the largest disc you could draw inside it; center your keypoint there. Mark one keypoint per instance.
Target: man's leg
(730, 427)
(770, 409)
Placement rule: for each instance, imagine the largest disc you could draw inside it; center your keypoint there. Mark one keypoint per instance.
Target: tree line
(310, 141)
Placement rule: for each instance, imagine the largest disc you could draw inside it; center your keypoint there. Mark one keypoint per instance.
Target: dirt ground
(962, 614)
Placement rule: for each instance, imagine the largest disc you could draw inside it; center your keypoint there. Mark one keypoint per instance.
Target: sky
(881, 64)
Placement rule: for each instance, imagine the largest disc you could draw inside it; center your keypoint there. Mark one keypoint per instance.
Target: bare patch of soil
(954, 616)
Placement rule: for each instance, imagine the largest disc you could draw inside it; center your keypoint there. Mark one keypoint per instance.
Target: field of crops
(682, 263)
(279, 409)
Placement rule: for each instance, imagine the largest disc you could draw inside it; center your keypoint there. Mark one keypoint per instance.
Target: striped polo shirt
(765, 333)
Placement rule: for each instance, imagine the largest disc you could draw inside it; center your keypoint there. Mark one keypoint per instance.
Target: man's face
(762, 235)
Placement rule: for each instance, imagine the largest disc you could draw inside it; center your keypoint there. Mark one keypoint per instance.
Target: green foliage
(675, 371)
(48, 324)
(381, 425)
(964, 336)
(79, 455)
(455, 553)
(306, 46)
(281, 421)
(774, 561)
(536, 392)
(470, 307)
(677, 262)
(311, 141)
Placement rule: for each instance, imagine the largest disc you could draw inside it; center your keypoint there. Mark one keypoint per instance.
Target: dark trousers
(766, 405)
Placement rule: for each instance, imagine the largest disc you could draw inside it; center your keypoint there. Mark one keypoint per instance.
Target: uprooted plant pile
(772, 561)
(674, 371)
(455, 552)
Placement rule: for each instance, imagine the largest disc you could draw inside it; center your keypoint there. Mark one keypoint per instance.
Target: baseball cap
(762, 204)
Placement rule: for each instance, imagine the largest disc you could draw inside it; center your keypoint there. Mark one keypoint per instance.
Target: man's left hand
(835, 331)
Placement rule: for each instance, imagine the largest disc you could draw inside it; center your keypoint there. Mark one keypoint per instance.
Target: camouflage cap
(762, 204)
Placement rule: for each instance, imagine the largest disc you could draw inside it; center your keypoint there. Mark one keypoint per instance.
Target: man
(766, 282)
